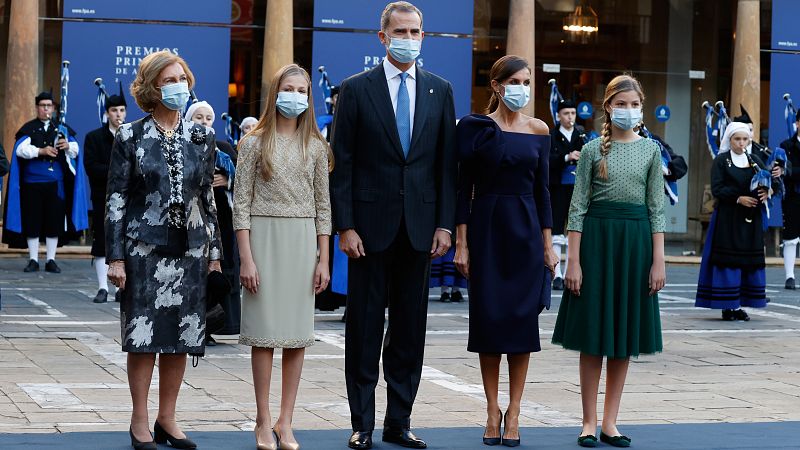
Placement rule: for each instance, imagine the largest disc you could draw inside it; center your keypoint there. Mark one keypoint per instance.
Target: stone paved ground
(61, 369)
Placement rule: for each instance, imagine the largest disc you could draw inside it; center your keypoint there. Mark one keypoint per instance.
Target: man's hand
(48, 151)
(777, 171)
(350, 243)
(441, 243)
(574, 155)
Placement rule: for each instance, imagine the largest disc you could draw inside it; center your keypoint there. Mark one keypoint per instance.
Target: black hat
(116, 100)
(564, 104)
(45, 96)
(744, 118)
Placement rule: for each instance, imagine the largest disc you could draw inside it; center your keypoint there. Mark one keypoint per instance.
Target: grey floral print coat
(162, 308)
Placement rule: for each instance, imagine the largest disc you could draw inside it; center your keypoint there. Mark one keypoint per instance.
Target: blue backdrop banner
(112, 51)
(451, 16)
(783, 80)
(209, 11)
(785, 33)
(346, 53)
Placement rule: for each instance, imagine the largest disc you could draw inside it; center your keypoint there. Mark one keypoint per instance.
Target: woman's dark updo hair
(503, 69)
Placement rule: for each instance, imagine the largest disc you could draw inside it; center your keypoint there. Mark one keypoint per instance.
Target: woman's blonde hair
(620, 83)
(306, 122)
(144, 87)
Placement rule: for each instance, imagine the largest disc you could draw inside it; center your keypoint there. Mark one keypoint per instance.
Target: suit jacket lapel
(420, 108)
(379, 95)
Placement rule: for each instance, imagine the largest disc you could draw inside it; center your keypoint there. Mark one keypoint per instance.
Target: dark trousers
(397, 277)
(42, 210)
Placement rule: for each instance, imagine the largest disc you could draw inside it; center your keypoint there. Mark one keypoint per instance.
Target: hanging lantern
(582, 25)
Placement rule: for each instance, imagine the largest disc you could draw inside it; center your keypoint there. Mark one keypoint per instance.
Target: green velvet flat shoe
(615, 441)
(587, 441)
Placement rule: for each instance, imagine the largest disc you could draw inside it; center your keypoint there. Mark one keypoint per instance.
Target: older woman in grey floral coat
(162, 240)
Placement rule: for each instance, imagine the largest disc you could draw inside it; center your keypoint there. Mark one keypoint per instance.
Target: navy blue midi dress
(504, 200)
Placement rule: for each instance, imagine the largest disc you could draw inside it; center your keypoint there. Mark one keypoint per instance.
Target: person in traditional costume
(616, 242)
(3, 172)
(732, 270)
(791, 215)
(445, 276)
(791, 206)
(97, 157)
(247, 125)
(335, 295)
(566, 142)
(42, 185)
(224, 174)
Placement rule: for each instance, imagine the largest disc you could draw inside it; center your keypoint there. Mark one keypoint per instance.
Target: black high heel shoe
(494, 440)
(509, 442)
(139, 445)
(161, 437)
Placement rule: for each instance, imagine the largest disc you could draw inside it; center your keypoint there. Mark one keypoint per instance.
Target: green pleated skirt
(614, 316)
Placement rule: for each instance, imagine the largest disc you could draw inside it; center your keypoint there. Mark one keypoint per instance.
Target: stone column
(22, 69)
(278, 41)
(521, 38)
(746, 89)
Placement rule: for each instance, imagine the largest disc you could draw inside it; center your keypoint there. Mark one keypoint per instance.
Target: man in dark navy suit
(393, 193)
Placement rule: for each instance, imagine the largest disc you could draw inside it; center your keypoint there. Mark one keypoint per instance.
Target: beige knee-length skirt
(281, 313)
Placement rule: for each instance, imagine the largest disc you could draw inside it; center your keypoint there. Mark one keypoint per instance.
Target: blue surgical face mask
(516, 96)
(404, 50)
(626, 118)
(292, 104)
(174, 96)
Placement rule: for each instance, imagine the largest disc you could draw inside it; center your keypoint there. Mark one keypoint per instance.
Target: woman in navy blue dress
(503, 242)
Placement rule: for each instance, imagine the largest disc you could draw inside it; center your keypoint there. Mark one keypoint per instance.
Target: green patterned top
(634, 176)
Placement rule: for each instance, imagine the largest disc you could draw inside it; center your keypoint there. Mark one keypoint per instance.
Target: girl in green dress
(616, 244)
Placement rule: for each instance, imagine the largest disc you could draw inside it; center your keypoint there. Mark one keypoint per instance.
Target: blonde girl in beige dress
(282, 216)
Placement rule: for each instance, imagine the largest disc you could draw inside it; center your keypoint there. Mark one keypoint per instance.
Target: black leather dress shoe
(33, 266)
(51, 267)
(790, 284)
(101, 297)
(558, 284)
(457, 297)
(403, 437)
(360, 440)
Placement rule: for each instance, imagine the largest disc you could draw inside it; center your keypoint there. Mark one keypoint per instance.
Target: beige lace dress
(284, 215)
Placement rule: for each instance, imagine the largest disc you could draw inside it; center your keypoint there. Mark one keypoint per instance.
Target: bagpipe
(555, 99)
(670, 187)
(325, 120)
(716, 120)
(790, 115)
(101, 100)
(232, 129)
(80, 189)
(762, 179)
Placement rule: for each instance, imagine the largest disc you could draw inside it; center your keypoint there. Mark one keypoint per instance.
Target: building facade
(684, 52)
